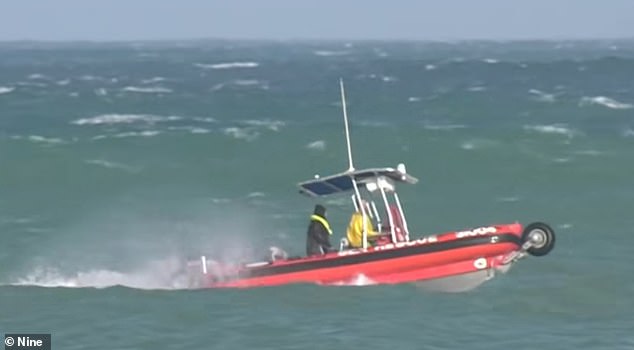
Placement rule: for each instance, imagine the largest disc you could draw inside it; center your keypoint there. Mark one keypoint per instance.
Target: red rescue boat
(452, 261)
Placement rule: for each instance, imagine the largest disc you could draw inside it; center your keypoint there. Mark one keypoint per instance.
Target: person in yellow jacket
(355, 229)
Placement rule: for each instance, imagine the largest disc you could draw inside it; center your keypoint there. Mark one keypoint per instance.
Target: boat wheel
(541, 236)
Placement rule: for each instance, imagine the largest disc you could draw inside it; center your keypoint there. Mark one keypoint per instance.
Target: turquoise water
(120, 161)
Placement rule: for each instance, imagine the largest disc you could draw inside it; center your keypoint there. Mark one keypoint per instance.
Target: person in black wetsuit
(318, 235)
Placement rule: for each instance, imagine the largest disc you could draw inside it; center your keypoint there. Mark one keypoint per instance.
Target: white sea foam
(112, 165)
(6, 89)
(373, 123)
(63, 82)
(490, 60)
(242, 83)
(37, 76)
(241, 133)
(384, 78)
(199, 131)
(227, 65)
(380, 53)
(589, 152)
(560, 129)
(89, 77)
(160, 274)
(205, 119)
(40, 139)
(562, 160)
(604, 101)
(478, 144)
(476, 88)
(191, 129)
(467, 145)
(123, 119)
(153, 80)
(31, 83)
(101, 92)
(327, 53)
(249, 82)
(273, 125)
(319, 145)
(413, 99)
(430, 67)
(146, 133)
(388, 79)
(53, 140)
(147, 90)
(542, 96)
(430, 126)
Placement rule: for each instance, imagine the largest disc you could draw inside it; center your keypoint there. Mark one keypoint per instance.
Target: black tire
(543, 238)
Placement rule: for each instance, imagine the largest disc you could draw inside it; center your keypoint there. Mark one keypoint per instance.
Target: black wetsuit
(318, 237)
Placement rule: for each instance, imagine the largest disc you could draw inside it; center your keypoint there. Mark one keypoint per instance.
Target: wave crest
(123, 119)
(604, 101)
(227, 65)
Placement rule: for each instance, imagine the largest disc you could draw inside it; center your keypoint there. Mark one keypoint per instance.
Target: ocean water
(119, 161)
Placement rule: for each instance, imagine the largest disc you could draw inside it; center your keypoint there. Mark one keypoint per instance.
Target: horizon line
(314, 39)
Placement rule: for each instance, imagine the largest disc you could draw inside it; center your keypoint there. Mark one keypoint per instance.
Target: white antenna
(345, 119)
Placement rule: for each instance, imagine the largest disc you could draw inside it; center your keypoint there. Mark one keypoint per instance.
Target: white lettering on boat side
(480, 231)
(421, 241)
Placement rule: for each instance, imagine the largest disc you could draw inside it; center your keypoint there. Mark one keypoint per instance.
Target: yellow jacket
(355, 230)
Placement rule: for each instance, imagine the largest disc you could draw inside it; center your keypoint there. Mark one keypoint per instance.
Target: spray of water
(139, 250)
(160, 274)
(359, 280)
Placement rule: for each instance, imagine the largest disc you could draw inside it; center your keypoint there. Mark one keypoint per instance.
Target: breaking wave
(152, 80)
(273, 125)
(319, 145)
(559, 129)
(241, 133)
(191, 129)
(147, 90)
(40, 139)
(430, 126)
(242, 83)
(36, 76)
(604, 101)
(227, 65)
(6, 90)
(146, 133)
(123, 119)
(541, 96)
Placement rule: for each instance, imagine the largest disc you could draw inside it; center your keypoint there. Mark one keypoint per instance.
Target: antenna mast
(345, 120)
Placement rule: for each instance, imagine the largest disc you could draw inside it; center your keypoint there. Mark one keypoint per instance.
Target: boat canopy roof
(342, 182)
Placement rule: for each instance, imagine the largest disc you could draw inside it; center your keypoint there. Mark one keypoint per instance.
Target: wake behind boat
(451, 261)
